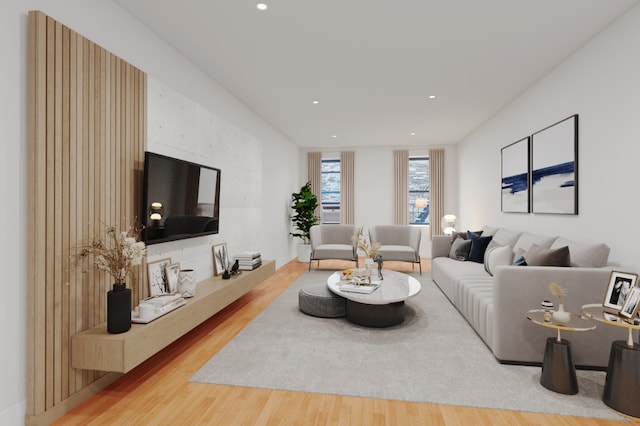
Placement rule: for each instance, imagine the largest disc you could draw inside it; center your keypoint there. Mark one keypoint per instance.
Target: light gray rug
(434, 356)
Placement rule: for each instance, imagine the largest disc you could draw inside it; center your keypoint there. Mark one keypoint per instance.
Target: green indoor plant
(303, 217)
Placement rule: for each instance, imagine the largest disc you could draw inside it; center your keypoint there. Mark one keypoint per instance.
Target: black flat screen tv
(180, 199)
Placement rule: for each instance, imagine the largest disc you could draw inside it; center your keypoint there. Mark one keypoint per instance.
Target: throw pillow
(520, 261)
(478, 246)
(495, 256)
(585, 255)
(540, 256)
(460, 249)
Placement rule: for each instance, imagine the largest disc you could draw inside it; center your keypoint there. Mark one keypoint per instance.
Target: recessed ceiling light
(334, 136)
(261, 6)
(432, 96)
(413, 133)
(315, 102)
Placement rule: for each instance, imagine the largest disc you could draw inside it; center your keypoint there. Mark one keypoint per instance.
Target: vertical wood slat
(83, 157)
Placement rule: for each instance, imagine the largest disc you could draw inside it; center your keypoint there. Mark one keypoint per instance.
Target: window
(330, 190)
(419, 190)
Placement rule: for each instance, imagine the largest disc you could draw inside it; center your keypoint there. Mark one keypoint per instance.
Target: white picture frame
(172, 272)
(157, 275)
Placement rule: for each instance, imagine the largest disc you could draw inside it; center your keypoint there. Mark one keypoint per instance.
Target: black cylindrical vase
(118, 309)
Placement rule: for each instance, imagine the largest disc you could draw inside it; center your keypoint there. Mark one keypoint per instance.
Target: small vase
(187, 283)
(561, 316)
(368, 266)
(118, 309)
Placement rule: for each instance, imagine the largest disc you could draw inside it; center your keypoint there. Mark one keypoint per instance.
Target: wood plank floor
(158, 391)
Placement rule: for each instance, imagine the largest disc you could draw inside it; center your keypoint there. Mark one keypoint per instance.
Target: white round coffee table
(383, 307)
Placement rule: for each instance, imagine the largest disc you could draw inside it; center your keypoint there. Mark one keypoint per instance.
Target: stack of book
(248, 260)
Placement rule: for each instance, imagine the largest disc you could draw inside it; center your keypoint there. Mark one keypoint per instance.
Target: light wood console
(95, 349)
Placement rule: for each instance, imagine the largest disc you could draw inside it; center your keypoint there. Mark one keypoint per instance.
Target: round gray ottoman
(319, 301)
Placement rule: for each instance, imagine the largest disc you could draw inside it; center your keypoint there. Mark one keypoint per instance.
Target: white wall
(107, 24)
(373, 184)
(600, 83)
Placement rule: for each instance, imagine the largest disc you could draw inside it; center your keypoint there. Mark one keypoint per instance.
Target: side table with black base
(622, 385)
(558, 369)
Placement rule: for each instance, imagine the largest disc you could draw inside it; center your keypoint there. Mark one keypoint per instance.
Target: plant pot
(118, 309)
(304, 253)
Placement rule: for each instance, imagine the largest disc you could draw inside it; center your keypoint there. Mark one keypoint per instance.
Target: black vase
(118, 309)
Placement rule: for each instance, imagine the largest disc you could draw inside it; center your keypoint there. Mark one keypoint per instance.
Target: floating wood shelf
(95, 349)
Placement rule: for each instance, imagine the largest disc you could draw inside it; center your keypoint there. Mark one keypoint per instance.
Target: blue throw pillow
(478, 246)
(520, 262)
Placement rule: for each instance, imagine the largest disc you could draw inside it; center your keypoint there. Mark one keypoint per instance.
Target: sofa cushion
(495, 256)
(478, 246)
(540, 256)
(460, 249)
(505, 237)
(583, 254)
(488, 230)
(527, 239)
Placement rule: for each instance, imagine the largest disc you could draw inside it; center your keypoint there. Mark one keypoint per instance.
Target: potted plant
(303, 205)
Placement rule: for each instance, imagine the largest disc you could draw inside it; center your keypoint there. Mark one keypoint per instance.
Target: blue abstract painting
(554, 168)
(515, 177)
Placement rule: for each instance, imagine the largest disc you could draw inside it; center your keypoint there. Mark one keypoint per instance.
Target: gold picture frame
(220, 258)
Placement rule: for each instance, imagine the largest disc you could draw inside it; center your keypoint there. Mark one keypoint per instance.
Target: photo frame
(619, 288)
(515, 176)
(158, 276)
(631, 304)
(220, 258)
(554, 168)
(172, 272)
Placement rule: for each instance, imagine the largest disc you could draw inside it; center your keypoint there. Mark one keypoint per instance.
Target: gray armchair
(333, 242)
(397, 242)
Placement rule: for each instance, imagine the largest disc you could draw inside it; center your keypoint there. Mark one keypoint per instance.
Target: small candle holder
(548, 310)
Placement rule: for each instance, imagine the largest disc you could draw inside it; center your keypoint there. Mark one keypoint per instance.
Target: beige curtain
(347, 187)
(436, 179)
(401, 187)
(314, 175)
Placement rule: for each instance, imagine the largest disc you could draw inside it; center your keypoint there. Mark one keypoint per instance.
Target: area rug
(434, 356)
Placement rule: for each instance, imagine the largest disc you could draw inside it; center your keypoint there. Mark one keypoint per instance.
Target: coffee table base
(558, 370)
(622, 385)
(375, 315)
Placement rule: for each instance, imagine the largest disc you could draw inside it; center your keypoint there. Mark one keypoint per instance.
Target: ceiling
(373, 65)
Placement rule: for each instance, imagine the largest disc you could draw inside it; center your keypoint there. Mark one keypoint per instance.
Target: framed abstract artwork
(554, 168)
(220, 258)
(515, 177)
(158, 277)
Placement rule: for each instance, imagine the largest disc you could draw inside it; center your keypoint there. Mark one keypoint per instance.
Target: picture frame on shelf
(172, 273)
(515, 176)
(619, 288)
(157, 275)
(631, 304)
(554, 168)
(220, 258)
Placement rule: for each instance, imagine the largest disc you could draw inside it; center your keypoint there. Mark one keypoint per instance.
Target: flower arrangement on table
(117, 252)
(362, 243)
(558, 291)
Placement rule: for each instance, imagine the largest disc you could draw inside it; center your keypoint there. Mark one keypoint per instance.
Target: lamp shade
(448, 224)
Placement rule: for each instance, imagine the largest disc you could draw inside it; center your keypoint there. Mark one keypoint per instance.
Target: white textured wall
(600, 83)
(107, 24)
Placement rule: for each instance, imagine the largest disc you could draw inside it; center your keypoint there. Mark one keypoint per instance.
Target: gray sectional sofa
(494, 295)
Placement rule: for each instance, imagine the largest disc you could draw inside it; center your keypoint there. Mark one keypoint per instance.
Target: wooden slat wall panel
(87, 136)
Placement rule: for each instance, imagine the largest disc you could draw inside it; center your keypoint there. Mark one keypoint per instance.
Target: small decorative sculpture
(235, 269)
(378, 260)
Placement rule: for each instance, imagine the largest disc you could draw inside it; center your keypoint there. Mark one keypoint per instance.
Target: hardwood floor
(158, 391)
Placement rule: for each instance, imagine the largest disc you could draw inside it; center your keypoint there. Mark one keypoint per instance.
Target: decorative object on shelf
(448, 224)
(560, 316)
(304, 205)
(620, 284)
(548, 310)
(554, 168)
(158, 277)
(187, 282)
(117, 253)
(172, 272)
(220, 259)
(515, 177)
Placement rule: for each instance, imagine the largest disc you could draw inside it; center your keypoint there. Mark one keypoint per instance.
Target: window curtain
(401, 187)
(346, 187)
(314, 175)
(436, 179)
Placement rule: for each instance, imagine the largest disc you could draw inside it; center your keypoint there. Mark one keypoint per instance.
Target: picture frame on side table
(158, 277)
(631, 304)
(515, 177)
(172, 273)
(554, 168)
(220, 258)
(619, 288)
